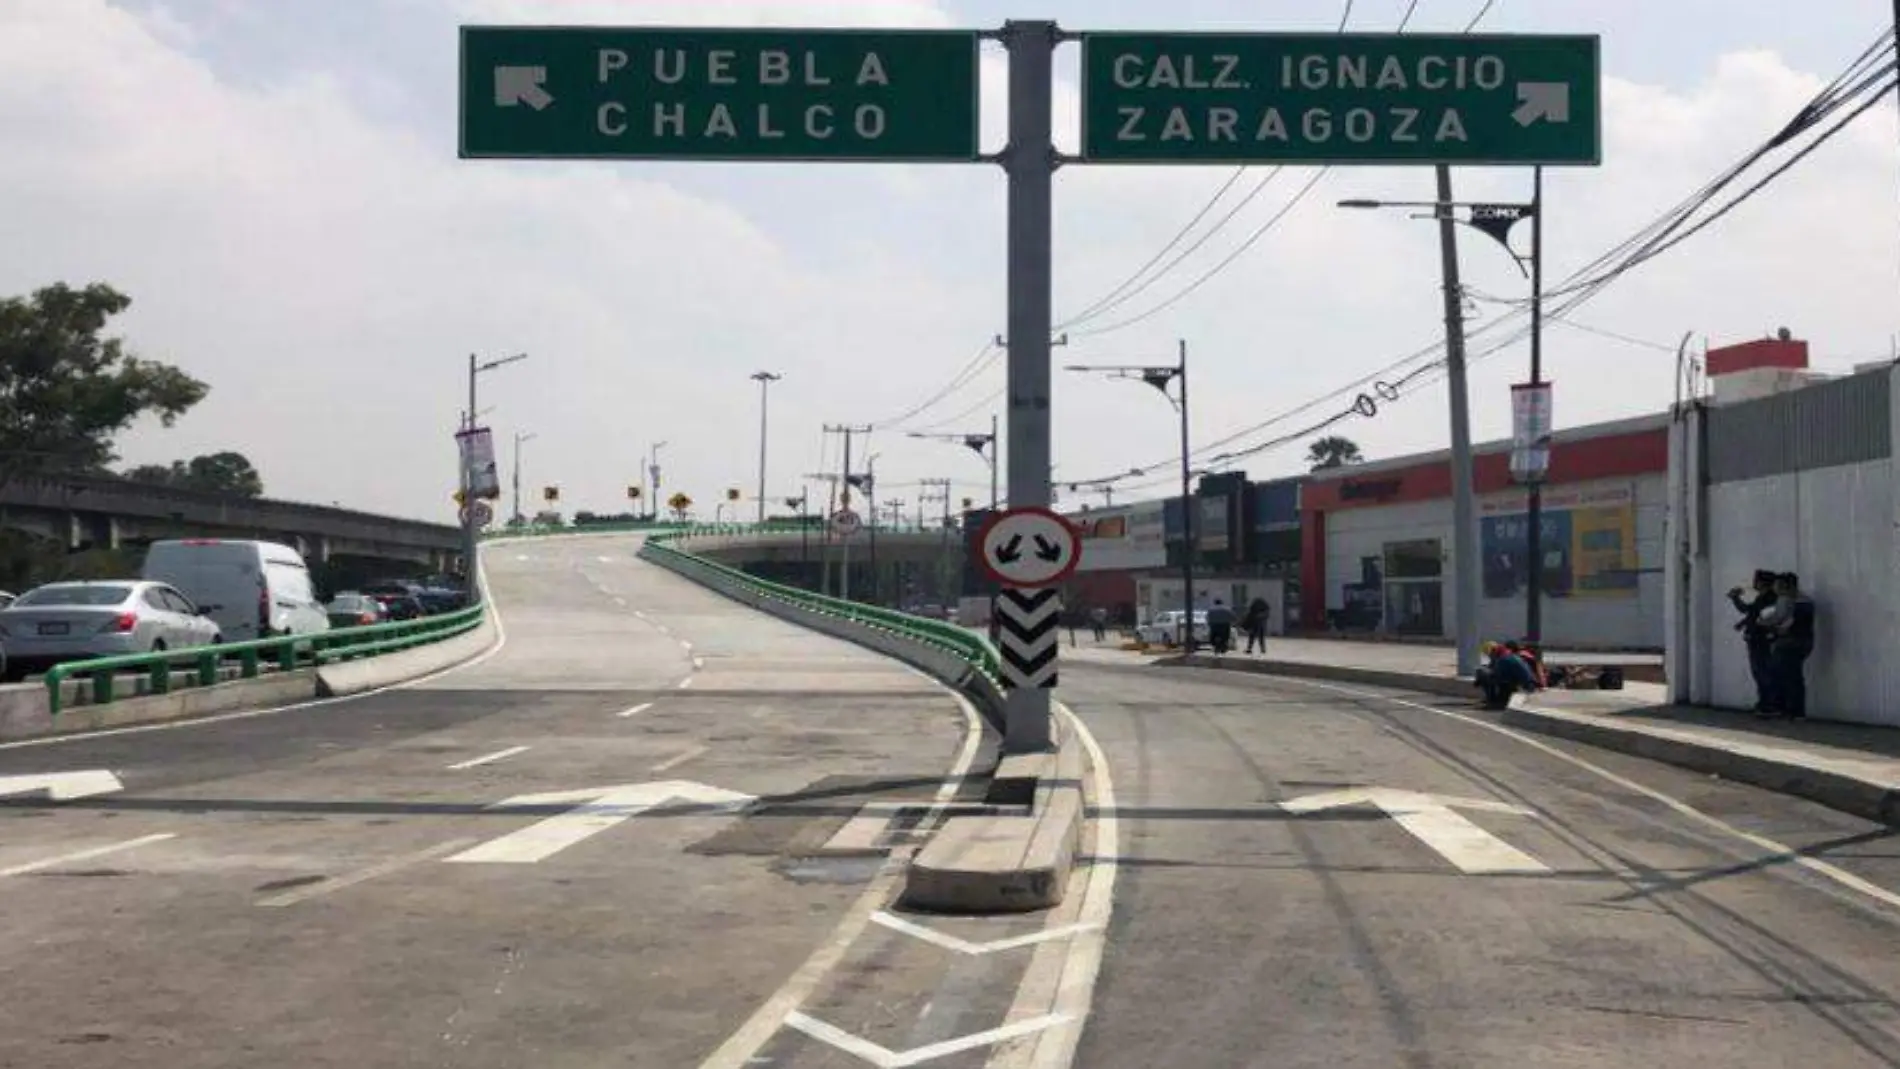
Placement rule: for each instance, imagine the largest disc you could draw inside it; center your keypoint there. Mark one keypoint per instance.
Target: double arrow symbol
(1028, 620)
(1012, 551)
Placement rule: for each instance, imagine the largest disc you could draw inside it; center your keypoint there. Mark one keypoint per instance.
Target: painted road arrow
(62, 786)
(596, 809)
(1431, 819)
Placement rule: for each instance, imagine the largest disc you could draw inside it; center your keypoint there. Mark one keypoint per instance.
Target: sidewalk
(1854, 768)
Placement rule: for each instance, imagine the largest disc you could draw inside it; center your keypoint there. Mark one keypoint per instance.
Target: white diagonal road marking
(85, 855)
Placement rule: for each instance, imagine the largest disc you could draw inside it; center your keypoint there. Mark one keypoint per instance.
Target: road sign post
(601, 92)
(1028, 551)
(1340, 98)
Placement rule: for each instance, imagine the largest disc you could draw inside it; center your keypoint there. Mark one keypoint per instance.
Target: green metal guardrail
(284, 654)
(973, 649)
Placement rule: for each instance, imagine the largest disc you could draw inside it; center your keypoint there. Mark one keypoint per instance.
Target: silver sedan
(75, 621)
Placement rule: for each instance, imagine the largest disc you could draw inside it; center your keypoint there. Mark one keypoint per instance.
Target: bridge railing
(959, 657)
(166, 670)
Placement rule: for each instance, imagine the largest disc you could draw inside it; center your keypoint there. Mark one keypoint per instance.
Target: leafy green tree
(66, 391)
(216, 473)
(1333, 451)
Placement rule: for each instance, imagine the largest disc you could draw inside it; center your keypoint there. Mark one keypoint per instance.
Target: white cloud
(328, 272)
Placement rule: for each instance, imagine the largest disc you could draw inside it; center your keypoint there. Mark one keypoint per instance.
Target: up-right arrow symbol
(1549, 101)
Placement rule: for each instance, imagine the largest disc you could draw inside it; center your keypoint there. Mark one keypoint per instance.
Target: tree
(225, 473)
(1333, 451)
(65, 391)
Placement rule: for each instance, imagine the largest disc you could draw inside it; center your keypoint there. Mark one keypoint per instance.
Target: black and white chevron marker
(1027, 622)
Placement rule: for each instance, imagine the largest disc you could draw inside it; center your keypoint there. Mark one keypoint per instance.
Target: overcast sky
(276, 186)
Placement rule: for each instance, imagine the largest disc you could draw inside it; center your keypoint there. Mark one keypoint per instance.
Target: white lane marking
(965, 946)
(595, 809)
(1782, 851)
(62, 786)
(622, 602)
(885, 1058)
(382, 868)
(640, 614)
(605, 560)
(488, 759)
(739, 1049)
(635, 711)
(501, 640)
(687, 682)
(699, 662)
(679, 759)
(1077, 963)
(685, 645)
(1432, 821)
(83, 855)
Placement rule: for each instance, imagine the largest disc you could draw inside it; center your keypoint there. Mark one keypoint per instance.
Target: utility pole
(1464, 509)
(765, 379)
(1534, 586)
(933, 491)
(520, 437)
(844, 577)
(1188, 543)
(830, 479)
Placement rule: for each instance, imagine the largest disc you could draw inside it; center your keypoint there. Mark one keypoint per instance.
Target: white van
(252, 589)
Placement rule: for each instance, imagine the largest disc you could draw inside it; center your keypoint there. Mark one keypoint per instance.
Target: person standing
(1255, 624)
(1220, 627)
(1791, 625)
(1098, 621)
(1755, 638)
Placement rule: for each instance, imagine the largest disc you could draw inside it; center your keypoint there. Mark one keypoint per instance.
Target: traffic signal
(732, 495)
(633, 493)
(551, 493)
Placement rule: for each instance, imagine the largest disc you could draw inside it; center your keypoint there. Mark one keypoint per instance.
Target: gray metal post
(765, 380)
(471, 574)
(1029, 161)
(844, 568)
(1187, 517)
(995, 456)
(1464, 510)
(1534, 586)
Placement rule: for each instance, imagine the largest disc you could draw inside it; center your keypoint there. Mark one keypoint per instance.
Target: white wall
(1835, 527)
(1598, 621)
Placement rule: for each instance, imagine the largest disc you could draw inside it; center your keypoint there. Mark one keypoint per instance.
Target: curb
(1765, 767)
(370, 673)
(1014, 863)
(1446, 686)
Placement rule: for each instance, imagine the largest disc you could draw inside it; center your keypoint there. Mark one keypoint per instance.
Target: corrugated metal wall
(1829, 424)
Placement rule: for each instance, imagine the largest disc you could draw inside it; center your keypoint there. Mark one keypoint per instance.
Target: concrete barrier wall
(935, 661)
(355, 677)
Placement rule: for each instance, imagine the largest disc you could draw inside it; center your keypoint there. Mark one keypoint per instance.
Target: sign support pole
(1464, 537)
(1029, 162)
(1534, 537)
(471, 574)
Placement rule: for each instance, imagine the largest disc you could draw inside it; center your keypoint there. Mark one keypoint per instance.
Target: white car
(76, 621)
(1165, 628)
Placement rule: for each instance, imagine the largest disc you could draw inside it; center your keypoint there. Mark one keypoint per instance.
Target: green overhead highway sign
(1339, 98)
(589, 92)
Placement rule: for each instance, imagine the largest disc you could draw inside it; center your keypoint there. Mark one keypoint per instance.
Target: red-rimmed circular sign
(1029, 547)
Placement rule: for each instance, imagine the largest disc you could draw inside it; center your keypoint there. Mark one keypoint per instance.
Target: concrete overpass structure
(97, 512)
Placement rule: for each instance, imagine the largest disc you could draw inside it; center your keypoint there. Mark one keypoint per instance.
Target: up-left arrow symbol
(521, 85)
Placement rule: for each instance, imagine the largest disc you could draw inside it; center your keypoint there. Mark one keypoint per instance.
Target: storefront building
(1377, 542)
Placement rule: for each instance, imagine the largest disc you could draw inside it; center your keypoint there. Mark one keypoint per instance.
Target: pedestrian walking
(1756, 638)
(1098, 620)
(1255, 624)
(1790, 622)
(1220, 627)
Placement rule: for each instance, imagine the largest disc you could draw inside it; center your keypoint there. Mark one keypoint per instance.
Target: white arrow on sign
(1431, 819)
(595, 810)
(62, 786)
(521, 85)
(1549, 101)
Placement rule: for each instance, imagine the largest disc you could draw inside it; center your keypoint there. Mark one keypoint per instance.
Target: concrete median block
(1835, 784)
(1010, 863)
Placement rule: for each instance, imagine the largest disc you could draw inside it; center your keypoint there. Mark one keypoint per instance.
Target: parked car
(252, 589)
(432, 599)
(351, 609)
(1165, 628)
(74, 621)
(6, 599)
(396, 605)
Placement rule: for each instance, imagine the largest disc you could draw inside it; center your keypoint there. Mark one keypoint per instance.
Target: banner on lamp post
(478, 461)
(1530, 432)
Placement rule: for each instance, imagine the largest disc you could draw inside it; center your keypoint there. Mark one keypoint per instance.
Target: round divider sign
(845, 523)
(1029, 547)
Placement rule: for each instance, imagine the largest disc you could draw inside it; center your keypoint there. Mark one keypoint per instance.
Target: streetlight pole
(652, 475)
(1496, 222)
(520, 437)
(1159, 377)
(470, 531)
(765, 379)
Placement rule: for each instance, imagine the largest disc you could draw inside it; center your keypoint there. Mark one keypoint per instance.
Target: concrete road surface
(345, 885)
(1298, 887)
